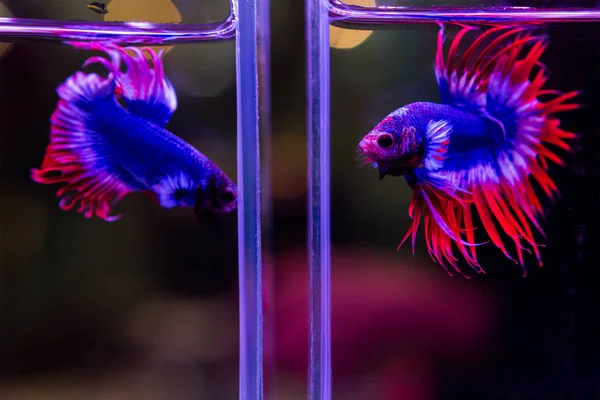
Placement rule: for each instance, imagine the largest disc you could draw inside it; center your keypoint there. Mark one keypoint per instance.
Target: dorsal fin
(463, 80)
(143, 85)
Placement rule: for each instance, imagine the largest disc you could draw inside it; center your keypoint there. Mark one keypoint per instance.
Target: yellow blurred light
(340, 38)
(202, 70)
(288, 150)
(156, 11)
(4, 12)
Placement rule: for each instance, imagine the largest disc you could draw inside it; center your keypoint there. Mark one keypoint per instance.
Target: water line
(132, 32)
(358, 17)
(249, 216)
(317, 37)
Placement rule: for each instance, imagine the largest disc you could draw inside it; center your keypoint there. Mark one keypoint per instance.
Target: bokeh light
(340, 38)
(202, 70)
(288, 150)
(156, 11)
(178, 330)
(205, 70)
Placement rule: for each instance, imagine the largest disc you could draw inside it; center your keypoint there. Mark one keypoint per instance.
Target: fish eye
(226, 197)
(385, 140)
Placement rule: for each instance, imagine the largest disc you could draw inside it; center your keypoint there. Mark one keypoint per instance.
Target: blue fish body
(471, 131)
(103, 150)
(147, 154)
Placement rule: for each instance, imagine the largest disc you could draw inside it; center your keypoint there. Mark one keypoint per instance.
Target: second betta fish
(480, 150)
(103, 150)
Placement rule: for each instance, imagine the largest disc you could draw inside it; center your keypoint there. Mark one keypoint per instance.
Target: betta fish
(481, 149)
(108, 139)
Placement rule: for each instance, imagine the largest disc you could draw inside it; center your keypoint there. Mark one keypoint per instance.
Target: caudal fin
(76, 155)
(500, 75)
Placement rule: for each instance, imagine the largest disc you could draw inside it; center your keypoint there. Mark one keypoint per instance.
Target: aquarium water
(266, 159)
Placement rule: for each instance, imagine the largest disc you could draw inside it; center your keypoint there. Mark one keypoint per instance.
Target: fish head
(394, 146)
(217, 197)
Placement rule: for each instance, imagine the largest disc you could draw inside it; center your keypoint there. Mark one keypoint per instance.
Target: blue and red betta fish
(481, 149)
(103, 150)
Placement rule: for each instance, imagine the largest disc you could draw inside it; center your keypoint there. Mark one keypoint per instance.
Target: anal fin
(440, 203)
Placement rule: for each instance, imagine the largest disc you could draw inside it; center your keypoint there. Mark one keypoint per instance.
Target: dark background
(146, 307)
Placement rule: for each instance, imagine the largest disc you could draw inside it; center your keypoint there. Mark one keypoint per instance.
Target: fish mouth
(212, 215)
(369, 152)
(364, 158)
(368, 146)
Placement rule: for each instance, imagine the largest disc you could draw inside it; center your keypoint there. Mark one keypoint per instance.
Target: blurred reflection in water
(395, 326)
(393, 329)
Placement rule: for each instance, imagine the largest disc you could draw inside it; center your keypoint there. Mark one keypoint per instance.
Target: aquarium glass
(304, 292)
(401, 327)
(145, 306)
(156, 11)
